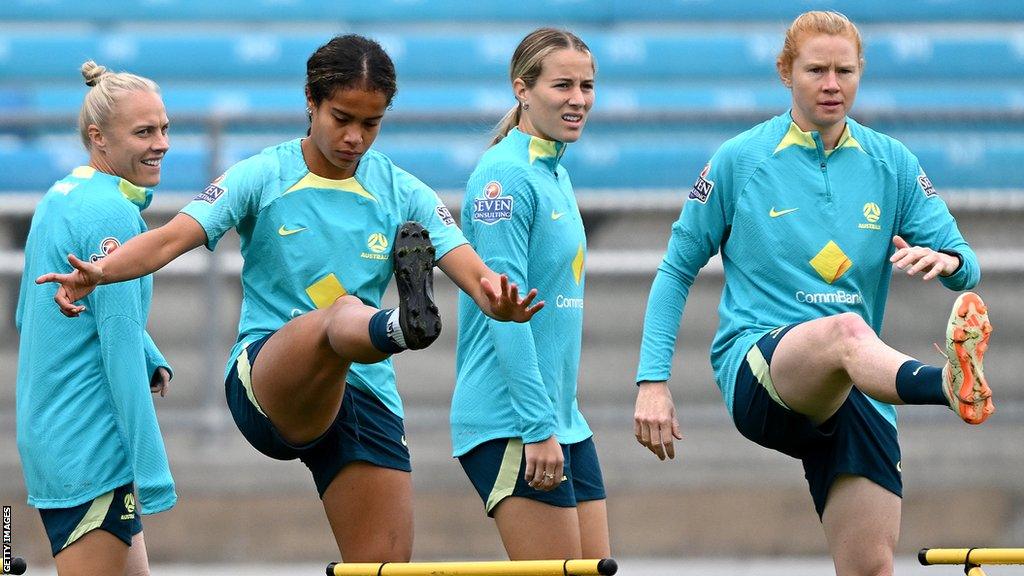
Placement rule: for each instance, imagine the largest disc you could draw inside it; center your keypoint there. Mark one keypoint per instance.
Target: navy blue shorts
(496, 469)
(857, 440)
(365, 430)
(114, 512)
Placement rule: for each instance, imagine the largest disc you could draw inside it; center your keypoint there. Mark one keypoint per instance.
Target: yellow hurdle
(603, 567)
(971, 556)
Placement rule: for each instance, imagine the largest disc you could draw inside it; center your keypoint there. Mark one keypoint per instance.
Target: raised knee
(346, 300)
(851, 328)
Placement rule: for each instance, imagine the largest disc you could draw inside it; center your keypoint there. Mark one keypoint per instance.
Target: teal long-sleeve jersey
(307, 240)
(519, 380)
(803, 233)
(86, 422)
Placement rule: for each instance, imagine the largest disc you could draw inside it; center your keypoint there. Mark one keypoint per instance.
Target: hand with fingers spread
(74, 285)
(914, 259)
(505, 302)
(544, 464)
(654, 419)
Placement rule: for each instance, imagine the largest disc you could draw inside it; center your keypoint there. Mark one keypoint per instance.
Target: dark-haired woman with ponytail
(325, 221)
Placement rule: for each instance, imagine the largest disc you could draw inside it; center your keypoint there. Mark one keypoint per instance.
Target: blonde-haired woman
(516, 426)
(810, 210)
(90, 446)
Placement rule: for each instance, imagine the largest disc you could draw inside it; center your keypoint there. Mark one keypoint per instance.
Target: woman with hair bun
(91, 450)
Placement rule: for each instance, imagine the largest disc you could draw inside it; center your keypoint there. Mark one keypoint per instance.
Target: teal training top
(803, 234)
(307, 240)
(86, 422)
(519, 380)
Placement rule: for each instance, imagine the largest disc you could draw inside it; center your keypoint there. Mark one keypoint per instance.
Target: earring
(526, 105)
(309, 111)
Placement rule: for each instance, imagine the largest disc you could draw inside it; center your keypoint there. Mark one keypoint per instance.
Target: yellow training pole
(604, 567)
(975, 556)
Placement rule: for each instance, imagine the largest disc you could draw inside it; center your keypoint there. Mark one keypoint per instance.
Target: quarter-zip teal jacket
(803, 233)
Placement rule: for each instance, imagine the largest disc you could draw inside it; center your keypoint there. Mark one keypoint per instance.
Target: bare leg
(532, 530)
(98, 552)
(138, 560)
(593, 518)
(370, 511)
(817, 363)
(862, 525)
(299, 377)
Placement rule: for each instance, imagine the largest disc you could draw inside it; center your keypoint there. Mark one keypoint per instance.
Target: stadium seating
(707, 74)
(482, 55)
(573, 11)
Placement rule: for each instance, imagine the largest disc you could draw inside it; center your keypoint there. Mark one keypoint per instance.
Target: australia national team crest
(493, 207)
(702, 187)
(107, 246)
(212, 192)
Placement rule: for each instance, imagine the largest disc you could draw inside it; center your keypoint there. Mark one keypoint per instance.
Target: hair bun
(92, 72)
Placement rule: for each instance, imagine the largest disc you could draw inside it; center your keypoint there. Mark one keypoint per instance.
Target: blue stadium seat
(656, 162)
(494, 98)
(650, 56)
(36, 168)
(560, 12)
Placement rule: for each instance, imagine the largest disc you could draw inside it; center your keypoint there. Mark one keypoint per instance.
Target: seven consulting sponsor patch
(702, 187)
(444, 215)
(493, 207)
(212, 192)
(107, 246)
(926, 185)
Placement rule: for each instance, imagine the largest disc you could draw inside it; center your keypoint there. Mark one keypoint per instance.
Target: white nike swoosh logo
(918, 369)
(775, 214)
(556, 215)
(286, 232)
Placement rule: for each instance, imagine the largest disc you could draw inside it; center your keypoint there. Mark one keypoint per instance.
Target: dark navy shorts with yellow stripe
(365, 430)
(114, 512)
(496, 469)
(857, 440)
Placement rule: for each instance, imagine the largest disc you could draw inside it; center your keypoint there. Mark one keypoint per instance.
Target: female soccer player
(323, 222)
(87, 431)
(810, 210)
(516, 425)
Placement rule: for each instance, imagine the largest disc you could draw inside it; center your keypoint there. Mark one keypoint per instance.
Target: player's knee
(344, 302)
(851, 329)
(873, 563)
(342, 310)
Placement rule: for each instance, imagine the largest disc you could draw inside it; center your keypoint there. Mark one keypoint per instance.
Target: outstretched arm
(142, 255)
(493, 293)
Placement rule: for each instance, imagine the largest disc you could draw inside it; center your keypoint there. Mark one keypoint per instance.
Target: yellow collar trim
(135, 194)
(351, 185)
(83, 172)
(540, 148)
(797, 137)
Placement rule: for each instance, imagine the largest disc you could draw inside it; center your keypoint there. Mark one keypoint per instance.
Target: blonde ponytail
(509, 121)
